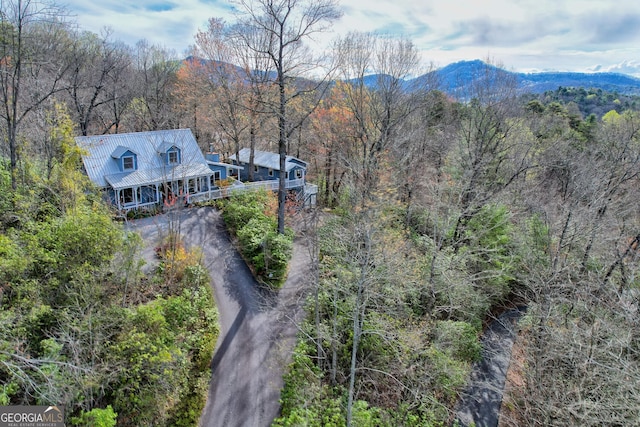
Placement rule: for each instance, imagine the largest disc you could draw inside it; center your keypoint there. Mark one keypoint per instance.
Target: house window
(298, 173)
(270, 172)
(204, 183)
(128, 163)
(147, 194)
(177, 187)
(193, 186)
(256, 169)
(215, 178)
(126, 196)
(172, 157)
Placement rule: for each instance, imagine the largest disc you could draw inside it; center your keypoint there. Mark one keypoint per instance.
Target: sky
(519, 35)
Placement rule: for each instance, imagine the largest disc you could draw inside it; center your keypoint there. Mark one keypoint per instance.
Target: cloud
(165, 23)
(489, 32)
(613, 27)
(631, 67)
(567, 35)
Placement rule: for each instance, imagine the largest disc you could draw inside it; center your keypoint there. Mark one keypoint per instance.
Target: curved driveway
(480, 403)
(257, 327)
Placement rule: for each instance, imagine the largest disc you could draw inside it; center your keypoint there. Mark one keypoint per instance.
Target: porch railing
(237, 186)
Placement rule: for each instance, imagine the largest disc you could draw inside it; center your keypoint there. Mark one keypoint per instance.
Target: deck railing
(236, 187)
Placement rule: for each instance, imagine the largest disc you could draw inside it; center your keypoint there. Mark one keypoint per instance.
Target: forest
(435, 214)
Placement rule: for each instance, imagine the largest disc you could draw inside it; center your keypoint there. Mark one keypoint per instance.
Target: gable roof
(268, 160)
(104, 170)
(120, 151)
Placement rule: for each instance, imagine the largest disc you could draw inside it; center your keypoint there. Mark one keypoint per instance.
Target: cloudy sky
(522, 35)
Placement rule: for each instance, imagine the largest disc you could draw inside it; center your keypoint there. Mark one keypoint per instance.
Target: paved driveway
(258, 326)
(480, 402)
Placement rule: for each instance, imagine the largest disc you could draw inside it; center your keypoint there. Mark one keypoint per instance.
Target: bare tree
(378, 109)
(33, 38)
(96, 70)
(286, 24)
(492, 152)
(155, 70)
(239, 82)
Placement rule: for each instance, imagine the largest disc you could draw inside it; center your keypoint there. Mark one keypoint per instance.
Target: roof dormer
(172, 154)
(127, 158)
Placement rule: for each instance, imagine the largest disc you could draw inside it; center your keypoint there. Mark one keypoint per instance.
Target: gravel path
(257, 326)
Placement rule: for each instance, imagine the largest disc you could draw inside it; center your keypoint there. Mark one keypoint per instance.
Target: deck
(308, 196)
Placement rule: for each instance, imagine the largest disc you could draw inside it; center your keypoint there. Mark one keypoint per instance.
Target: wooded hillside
(434, 215)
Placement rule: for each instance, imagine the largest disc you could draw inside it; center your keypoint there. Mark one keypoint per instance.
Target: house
(221, 170)
(266, 167)
(266, 171)
(147, 169)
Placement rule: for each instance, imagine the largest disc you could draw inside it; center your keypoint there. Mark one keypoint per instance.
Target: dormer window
(128, 163)
(126, 158)
(170, 153)
(172, 157)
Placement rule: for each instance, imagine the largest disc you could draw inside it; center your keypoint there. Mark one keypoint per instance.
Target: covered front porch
(157, 188)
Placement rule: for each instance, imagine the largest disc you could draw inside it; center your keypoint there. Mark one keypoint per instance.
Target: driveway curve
(257, 326)
(480, 403)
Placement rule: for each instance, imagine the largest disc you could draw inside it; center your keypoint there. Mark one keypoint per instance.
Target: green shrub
(268, 252)
(237, 214)
(458, 339)
(252, 236)
(96, 418)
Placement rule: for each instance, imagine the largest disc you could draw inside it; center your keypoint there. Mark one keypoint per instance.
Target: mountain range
(454, 77)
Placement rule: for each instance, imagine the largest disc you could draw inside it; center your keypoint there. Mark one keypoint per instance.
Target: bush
(459, 340)
(96, 418)
(249, 216)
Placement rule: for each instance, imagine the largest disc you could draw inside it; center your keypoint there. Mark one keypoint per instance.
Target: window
(215, 178)
(128, 163)
(147, 194)
(172, 157)
(256, 169)
(204, 183)
(126, 196)
(177, 187)
(270, 172)
(298, 173)
(193, 187)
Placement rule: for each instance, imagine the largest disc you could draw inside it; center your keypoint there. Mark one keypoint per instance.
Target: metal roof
(268, 160)
(104, 170)
(120, 150)
(156, 176)
(225, 165)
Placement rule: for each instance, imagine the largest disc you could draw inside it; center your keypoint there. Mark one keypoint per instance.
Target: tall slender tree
(286, 24)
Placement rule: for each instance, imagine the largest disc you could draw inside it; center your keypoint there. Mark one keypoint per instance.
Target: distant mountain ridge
(454, 77)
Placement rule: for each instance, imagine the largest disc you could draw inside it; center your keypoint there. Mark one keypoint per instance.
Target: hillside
(460, 74)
